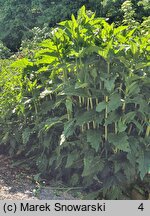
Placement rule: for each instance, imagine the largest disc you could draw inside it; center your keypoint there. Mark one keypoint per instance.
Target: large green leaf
(95, 139)
(109, 83)
(71, 158)
(101, 106)
(132, 89)
(85, 117)
(113, 117)
(92, 165)
(69, 104)
(26, 135)
(51, 122)
(120, 141)
(114, 102)
(127, 118)
(22, 63)
(69, 128)
(144, 163)
(121, 126)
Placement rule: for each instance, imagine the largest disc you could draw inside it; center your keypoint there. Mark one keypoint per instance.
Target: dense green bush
(78, 107)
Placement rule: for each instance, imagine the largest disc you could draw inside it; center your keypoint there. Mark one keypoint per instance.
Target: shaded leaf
(94, 138)
(114, 102)
(120, 141)
(101, 106)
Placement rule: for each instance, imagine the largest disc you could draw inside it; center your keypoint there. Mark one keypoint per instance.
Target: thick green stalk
(50, 97)
(96, 101)
(130, 129)
(65, 76)
(68, 116)
(91, 103)
(120, 88)
(106, 115)
(36, 112)
(83, 100)
(106, 100)
(82, 128)
(148, 129)
(94, 125)
(123, 106)
(100, 85)
(116, 130)
(88, 104)
(80, 101)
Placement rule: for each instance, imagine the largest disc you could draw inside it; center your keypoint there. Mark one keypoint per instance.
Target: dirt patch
(16, 183)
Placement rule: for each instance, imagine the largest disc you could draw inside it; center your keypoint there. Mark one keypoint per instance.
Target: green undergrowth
(77, 106)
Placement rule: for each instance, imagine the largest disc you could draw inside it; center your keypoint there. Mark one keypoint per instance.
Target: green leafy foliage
(18, 18)
(78, 108)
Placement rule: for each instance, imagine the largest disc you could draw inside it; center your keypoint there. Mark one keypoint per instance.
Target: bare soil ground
(17, 184)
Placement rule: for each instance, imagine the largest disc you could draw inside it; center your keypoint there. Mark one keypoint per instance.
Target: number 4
(141, 207)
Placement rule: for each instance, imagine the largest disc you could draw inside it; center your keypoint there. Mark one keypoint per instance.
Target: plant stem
(88, 104)
(100, 85)
(50, 97)
(83, 100)
(120, 89)
(96, 101)
(36, 112)
(82, 128)
(106, 115)
(123, 106)
(106, 100)
(80, 101)
(91, 103)
(130, 128)
(148, 129)
(94, 125)
(116, 128)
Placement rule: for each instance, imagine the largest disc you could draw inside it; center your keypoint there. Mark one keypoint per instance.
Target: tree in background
(17, 18)
(4, 51)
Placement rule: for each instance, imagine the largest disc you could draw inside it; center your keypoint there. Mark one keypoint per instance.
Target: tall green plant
(85, 104)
